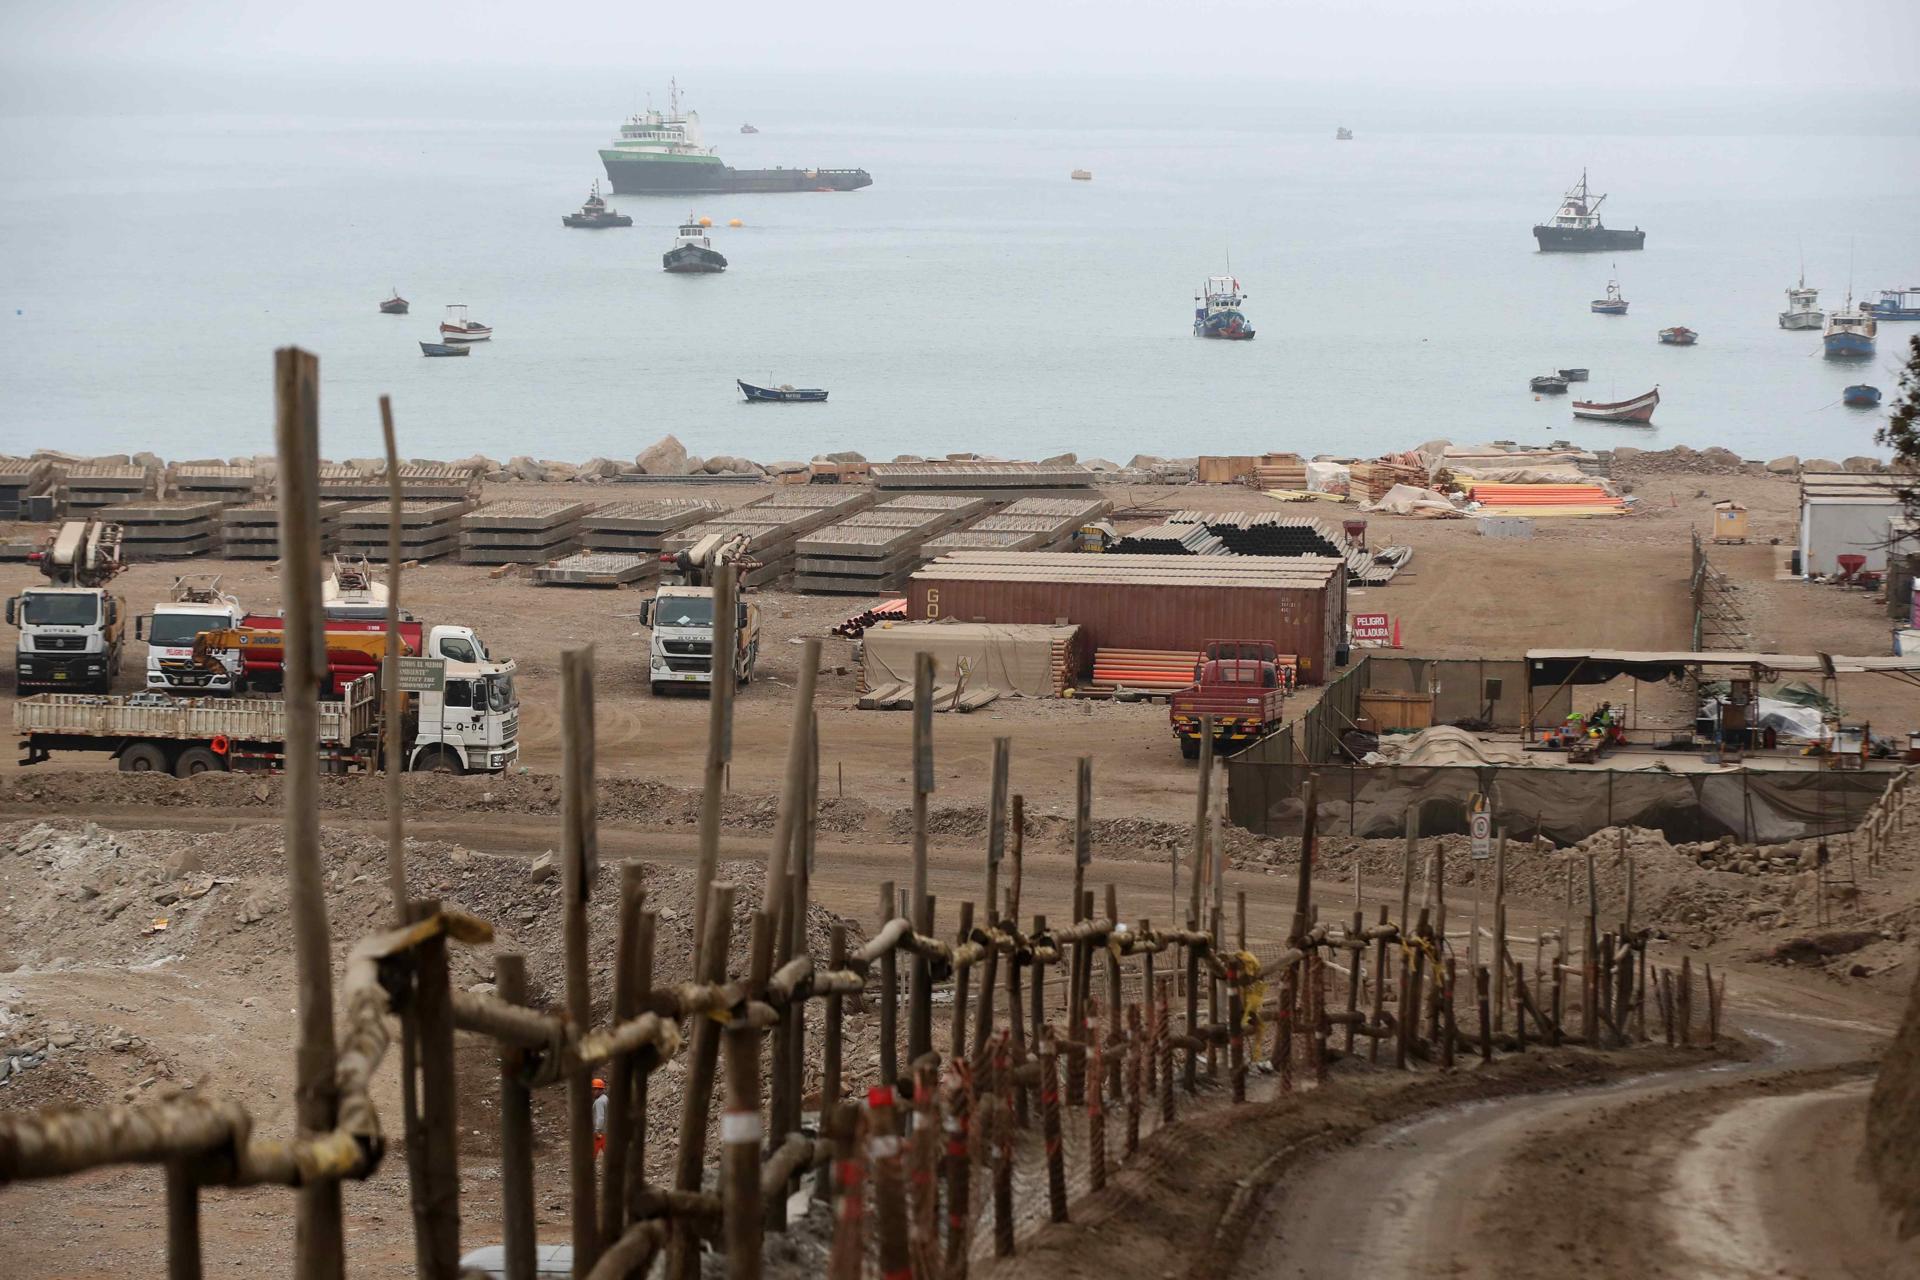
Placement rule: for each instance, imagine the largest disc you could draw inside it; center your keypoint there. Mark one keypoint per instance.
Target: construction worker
(599, 1115)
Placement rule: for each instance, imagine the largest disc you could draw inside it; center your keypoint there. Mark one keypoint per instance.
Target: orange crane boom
(344, 648)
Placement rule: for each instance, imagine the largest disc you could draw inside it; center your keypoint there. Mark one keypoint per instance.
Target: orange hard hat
(598, 1083)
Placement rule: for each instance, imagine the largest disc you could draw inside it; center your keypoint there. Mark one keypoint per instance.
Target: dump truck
(1242, 695)
(680, 616)
(195, 604)
(72, 631)
(470, 724)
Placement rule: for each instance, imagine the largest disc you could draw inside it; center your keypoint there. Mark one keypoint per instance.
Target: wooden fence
(1150, 1012)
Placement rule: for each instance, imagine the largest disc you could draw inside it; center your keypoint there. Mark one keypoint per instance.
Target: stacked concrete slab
(417, 482)
(87, 485)
(251, 530)
(638, 527)
(872, 550)
(521, 530)
(1031, 524)
(169, 529)
(1001, 479)
(772, 526)
(227, 485)
(429, 527)
(598, 569)
(20, 479)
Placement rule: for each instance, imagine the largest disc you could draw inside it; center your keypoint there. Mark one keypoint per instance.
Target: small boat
(445, 349)
(1895, 304)
(747, 128)
(457, 328)
(1637, 410)
(1218, 315)
(1679, 336)
(394, 306)
(782, 394)
(693, 252)
(1343, 134)
(1081, 175)
(1861, 396)
(1573, 375)
(1849, 333)
(1548, 384)
(1613, 304)
(1803, 307)
(596, 213)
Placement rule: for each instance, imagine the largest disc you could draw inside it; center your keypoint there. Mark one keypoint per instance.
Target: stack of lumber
(1546, 500)
(85, 485)
(638, 527)
(251, 530)
(227, 485)
(1279, 471)
(167, 530)
(1369, 481)
(1230, 468)
(21, 478)
(521, 530)
(417, 481)
(429, 528)
(1154, 670)
(597, 569)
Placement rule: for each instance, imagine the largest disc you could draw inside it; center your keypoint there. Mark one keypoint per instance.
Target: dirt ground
(203, 1001)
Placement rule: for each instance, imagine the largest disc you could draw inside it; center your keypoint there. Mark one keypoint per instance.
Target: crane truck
(195, 604)
(72, 631)
(680, 616)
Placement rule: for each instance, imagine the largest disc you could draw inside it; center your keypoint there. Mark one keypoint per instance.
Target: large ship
(1576, 226)
(662, 154)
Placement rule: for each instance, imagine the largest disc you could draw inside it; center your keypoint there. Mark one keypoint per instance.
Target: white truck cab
(472, 725)
(197, 605)
(681, 648)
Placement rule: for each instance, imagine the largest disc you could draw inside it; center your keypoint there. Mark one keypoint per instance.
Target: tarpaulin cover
(1015, 658)
(1556, 473)
(1405, 500)
(1328, 477)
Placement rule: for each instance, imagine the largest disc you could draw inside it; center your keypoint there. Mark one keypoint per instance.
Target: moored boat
(1803, 307)
(1895, 304)
(1576, 227)
(747, 128)
(1861, 396)
(1613, 304)
(693, 252)
(596, 212)
(1573, 375)
(1638, 410)
(782, 394)
(1849, 334)
(444, 349)
(1219, 314)
(660, 153)
(1342, 134)
(1548, 384)
(394, 306)
(1679, 336)
(457, 328)
(1081, 175)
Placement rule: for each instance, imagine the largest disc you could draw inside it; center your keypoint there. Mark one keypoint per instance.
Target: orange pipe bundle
(1543, 495)
(1144, 668)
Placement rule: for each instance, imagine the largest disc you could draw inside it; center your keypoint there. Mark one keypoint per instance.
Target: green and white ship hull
(661, 154)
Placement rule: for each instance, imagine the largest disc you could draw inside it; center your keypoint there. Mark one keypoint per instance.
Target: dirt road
(1735, 1170)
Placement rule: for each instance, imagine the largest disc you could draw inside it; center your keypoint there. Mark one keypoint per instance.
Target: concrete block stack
(88, 485)
(251, 530)
(429, 528)
(167, 529)
(418, 481)
(870, 551)
(521, 530)
(20, 479)
(216, 482)
(637, 528)
(597, 569)
(773, 525)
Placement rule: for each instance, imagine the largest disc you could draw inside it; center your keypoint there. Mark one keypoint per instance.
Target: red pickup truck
(1244, 697)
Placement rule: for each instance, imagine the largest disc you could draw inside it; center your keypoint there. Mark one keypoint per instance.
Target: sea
(161, 236)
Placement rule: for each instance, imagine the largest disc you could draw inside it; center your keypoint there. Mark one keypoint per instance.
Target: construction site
(1277, 867)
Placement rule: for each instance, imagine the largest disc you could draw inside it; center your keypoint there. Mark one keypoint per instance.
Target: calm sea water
(972, 298)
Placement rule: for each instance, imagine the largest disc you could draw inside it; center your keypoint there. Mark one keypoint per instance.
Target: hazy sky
(1672, 44)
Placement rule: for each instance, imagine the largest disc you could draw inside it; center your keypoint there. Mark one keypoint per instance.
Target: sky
(1752, 44)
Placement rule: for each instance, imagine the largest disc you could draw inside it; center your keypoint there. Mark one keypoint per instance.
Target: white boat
(457, 328)
(1803, 308)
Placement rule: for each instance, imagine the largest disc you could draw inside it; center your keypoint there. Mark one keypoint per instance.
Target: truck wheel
(143, 757)
(197, 760)
(659, 690)
(1189, 748)
(439, 760)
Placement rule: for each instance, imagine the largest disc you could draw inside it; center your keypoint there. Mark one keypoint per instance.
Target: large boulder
(599, 469)
(1786, 465)
(1145, 462)
(908, 458)
(695, 465)
(846, 455)
(1060, 460)
(524, 468)
(1101, 464)
(786, 468)
(1721, 457)
(1819, 464)
(368, 466)
(665, 457)
(152, 461)
(1626, 453)
(558, 472)
(478, 464)
(1861, 466)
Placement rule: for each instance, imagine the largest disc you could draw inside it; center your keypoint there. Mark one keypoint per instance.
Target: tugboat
(1895, 304)
(1679, 336)
(1803, 307)
(394, 306)
(1576, 227)
(662, 154)
(457, 328)
(1849, 333)
(1861, 396)
(1613, 304)
(1218, 315)
(596, 213)
(693, 252)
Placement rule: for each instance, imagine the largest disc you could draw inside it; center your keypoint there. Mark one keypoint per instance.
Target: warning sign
(1375, 631)
(1482, 828)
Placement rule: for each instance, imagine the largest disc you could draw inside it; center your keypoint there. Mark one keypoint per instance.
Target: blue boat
(781, 394)
(1895, 304)
(1861, 396)
(445, 349)
(1849, 333)
(1219, 314)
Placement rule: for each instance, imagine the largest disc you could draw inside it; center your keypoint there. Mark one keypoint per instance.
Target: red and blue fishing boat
(1219, 314)
(1861, 396)
(1895, 304)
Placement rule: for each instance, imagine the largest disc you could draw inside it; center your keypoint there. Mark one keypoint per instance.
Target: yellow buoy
(735, 222)
(706, 222)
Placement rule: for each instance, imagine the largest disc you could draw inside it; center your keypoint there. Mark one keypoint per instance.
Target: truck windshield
(47, 609)
(683, 611)
(500, 693)
(177, 630)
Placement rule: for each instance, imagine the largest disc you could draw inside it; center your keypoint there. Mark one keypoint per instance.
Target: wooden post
(996, 850)
(1136, 1050)
(1666, 1005)
(1376, 1019)
(620, 1071)
(516, 1131)
(1589, 967)
(1191, 1080)
(1038, 1016)
(919, 974)
(889, 993)
(1079, 971)
(1447, 1029)
(1003, 1148)
(889, 1183)
(958, 1168)
(1406, 869)
(1214, 930)
(637, 1108)
(831, 1087)
(1480, 984)
(1640, 993)
(1163, 1045)
(1148, 992)
(579, 856)
(1499, 929)
(1236, 1034)
(317, 1252)
(962, 980)
(1016, 850)
(1050, 1126)
(719, 749)
(847, 1261)
(436, 1209)
(1354, 956)
(1096, 1101)
(183, 1221)
(683, 1258)
(1684, 1009)
(395, 741)
(740, 1135)
(1200, 803)
(1115, 998)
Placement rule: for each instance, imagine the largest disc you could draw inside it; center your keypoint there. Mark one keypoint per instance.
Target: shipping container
(1147, 602)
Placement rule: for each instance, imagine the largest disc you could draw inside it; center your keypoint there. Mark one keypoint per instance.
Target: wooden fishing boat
(1574, 375)
(394, 306)
(1638, 410)
(1548, 384)
(1679, 336)
(444, 349)
(781, 394)
(457, 328)
(1861, 396)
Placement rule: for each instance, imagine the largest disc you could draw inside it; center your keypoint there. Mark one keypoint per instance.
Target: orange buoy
(735, 222)
(706, 222)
